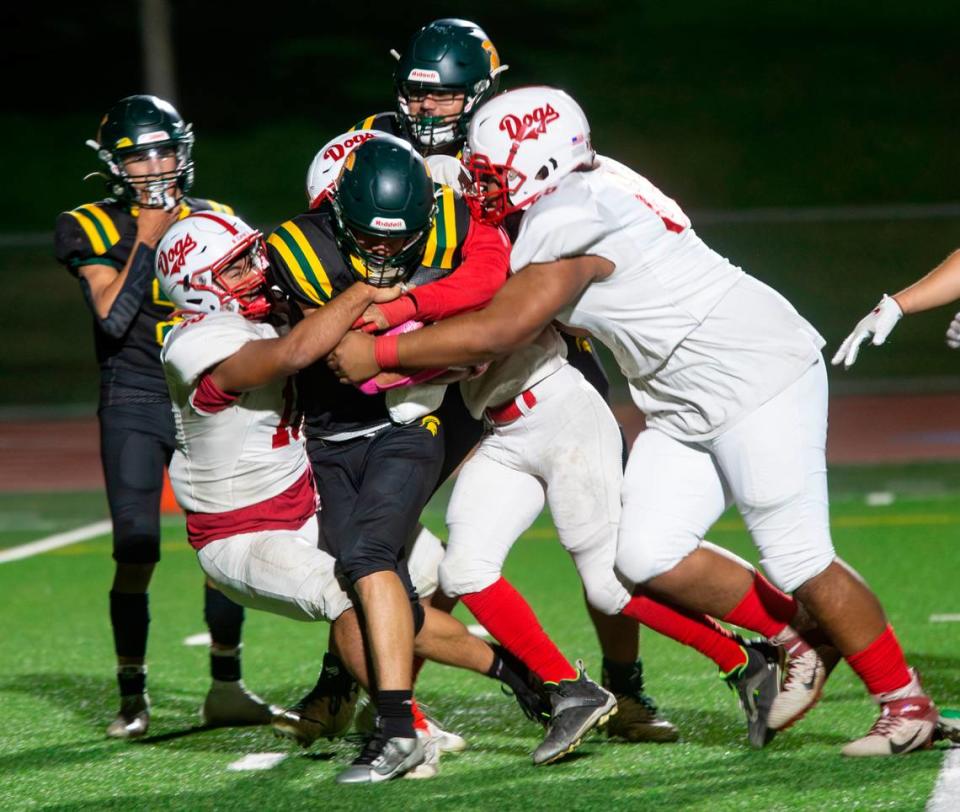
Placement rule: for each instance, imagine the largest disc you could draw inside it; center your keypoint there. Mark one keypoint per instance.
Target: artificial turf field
(57, 692)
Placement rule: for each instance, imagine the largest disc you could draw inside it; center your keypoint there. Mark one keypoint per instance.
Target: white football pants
(567, 450)
(279, 571)
(771, 463)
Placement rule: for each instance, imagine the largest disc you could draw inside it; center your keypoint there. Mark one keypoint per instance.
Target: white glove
(953, 333)
(878, 323)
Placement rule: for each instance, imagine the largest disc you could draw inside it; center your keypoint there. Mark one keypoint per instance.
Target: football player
(144, 148)
(377, 457)
(448, 69)
(240, 470)
(729, 373)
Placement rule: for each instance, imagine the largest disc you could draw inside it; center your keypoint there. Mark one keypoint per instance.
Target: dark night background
(726, 106)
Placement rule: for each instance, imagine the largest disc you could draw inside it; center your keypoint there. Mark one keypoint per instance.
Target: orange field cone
(168, 502)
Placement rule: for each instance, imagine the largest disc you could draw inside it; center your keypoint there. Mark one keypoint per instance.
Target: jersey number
(289, 423)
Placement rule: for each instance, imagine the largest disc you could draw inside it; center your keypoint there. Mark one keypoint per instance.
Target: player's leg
(673, 492)
(133, 462)
(398, 474)
(480, 539)
(780, 482)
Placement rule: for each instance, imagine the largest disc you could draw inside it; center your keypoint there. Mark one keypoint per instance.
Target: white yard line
(257, 761)
(945, 618)
(88, 531)
(200, 639)
(946, 792)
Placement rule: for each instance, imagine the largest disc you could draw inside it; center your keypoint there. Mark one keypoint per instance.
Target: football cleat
(757, 683)
(133, 720)
(908, 720)
(531, 697)
(326, 711)
(804, 678)
(230, 704)
(636, 718)
(948, 725)
(577, 706)
(430, 766)
(382, 759)
(446, 740)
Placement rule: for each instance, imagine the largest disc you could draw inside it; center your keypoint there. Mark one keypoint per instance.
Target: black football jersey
(103, 233)
(306, 263)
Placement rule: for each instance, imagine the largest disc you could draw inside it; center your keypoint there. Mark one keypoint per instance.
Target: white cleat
(907, 722)
(447, 741)
(133, 720)
(805, 675)
(230, 704)
(430, 766)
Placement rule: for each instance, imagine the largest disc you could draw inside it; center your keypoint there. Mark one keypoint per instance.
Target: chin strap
(127, 304)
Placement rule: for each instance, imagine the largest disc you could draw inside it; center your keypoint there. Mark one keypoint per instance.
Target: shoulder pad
(86, 233)
(196, 344)
(296, 248)
(204, 204)
(449, 230)
(385, 122)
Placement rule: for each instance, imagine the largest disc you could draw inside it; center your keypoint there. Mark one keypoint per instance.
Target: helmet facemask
(493, 188)
(378, 267)
(433, 133)
(247, 296)
(152, 190)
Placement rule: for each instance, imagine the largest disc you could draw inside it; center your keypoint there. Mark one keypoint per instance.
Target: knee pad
(646, 556)
(791, 570)
(132, 547)
(606, 595)
(423, 562)
(461, 575)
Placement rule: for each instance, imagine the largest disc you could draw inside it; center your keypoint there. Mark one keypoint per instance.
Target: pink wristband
(386, 351)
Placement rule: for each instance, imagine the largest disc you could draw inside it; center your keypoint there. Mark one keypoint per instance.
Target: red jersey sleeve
(483, 270)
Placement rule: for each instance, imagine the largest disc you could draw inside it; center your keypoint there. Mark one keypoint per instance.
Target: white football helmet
(192, 258)
(326, 165)
(527, 141)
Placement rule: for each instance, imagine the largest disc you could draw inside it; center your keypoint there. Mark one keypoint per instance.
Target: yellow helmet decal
(431, 423)
(494, 56)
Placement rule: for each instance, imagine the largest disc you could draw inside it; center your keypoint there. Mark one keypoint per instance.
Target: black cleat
(577, 706)
(326, 711)
(636, 719)
(757, 683)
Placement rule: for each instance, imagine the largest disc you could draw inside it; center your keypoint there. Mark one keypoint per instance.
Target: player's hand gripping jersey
(103, 233)
(700, 341)
(240, 464)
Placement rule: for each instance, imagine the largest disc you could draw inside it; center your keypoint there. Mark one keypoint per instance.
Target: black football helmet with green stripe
(142, 127)
(448, 55)
(384, 207)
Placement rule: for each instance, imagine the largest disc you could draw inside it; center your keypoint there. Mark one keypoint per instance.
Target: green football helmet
(384, 207)
(144, 127)
(446, 56)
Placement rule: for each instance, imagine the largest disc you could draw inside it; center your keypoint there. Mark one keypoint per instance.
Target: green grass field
(57, 688)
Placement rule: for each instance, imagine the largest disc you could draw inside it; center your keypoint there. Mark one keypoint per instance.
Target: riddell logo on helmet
(389, 223)
(171, 260)
(337, 151)
(421, 75)
(531, 125)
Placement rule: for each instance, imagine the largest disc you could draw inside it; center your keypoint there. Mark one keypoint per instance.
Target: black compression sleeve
(128, 301)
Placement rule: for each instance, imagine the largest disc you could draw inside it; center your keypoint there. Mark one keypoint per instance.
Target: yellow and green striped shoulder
(97, 222)
(297, 261)
(449, 231)
(198, 204)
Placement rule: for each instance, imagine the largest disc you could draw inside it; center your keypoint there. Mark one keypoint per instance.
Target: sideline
(946, 791)
(31, 548)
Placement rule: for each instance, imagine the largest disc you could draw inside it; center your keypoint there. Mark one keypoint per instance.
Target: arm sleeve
(130, 298)
(481, 273)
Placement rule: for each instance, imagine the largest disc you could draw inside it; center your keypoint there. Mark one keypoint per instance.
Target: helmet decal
(529, 125)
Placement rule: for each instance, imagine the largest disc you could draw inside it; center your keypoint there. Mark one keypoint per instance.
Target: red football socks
(508, 617)
(764, 609)
(881, 665)
(697, 631)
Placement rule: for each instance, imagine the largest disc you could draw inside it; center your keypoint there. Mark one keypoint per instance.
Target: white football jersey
(700, 342)
(507, 377)
(243, 452)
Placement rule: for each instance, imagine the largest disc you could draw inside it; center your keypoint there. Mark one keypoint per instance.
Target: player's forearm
(322, 330)
(116, 303)
(939, 287)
